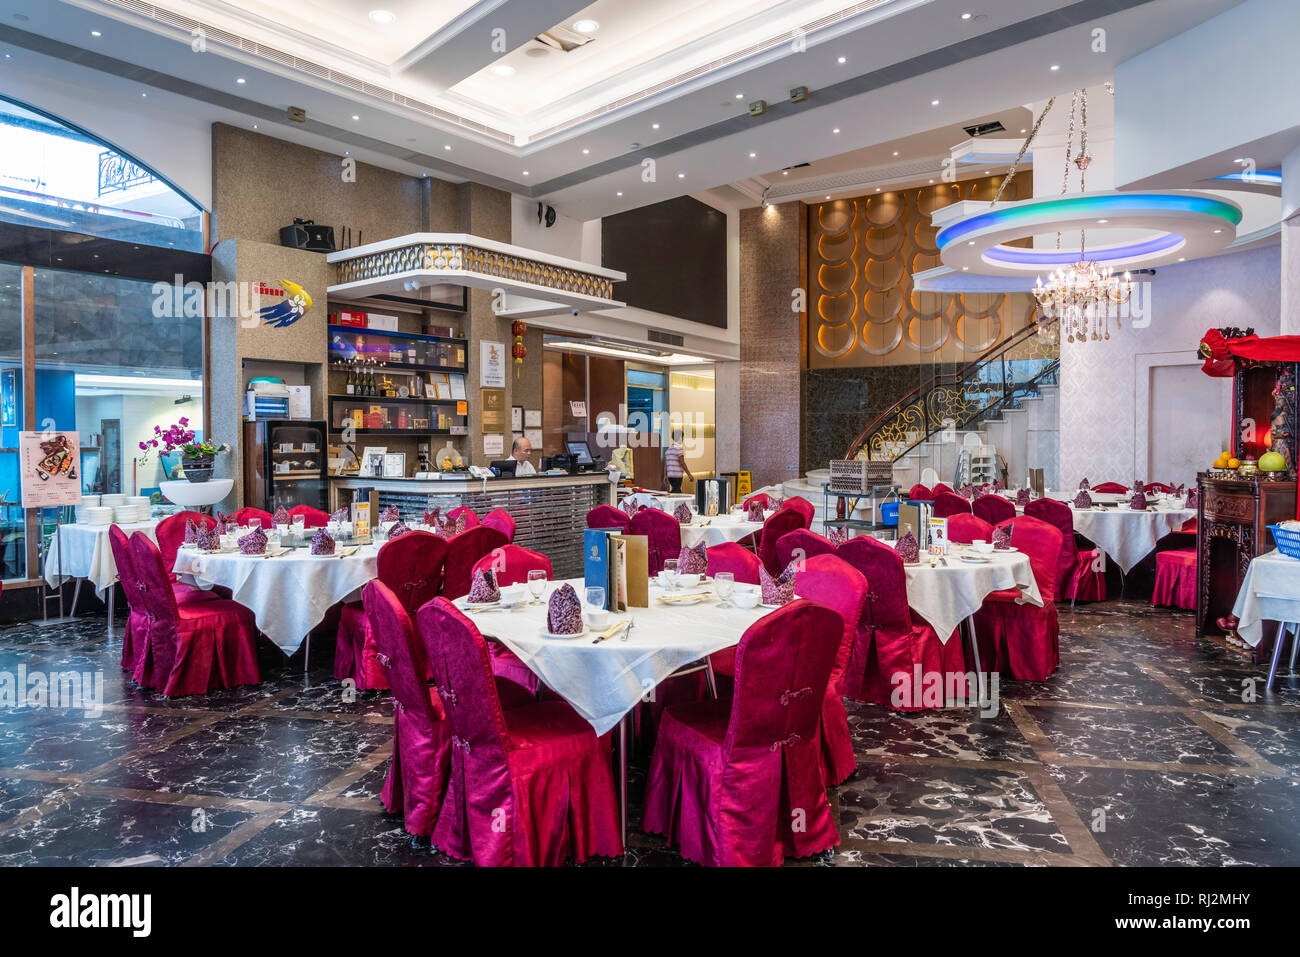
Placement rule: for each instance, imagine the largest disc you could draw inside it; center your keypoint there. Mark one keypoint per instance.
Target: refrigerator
(286, 463)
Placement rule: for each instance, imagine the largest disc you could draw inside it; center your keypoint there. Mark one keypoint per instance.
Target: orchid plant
(179, 437)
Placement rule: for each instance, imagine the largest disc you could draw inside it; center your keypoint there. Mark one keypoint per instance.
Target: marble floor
(1146, 748)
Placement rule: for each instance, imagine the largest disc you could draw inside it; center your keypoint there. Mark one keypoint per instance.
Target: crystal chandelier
(1082, 299)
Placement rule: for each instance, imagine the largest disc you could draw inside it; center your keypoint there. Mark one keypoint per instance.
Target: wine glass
(537, 585)
(724, 583)
(670, 572)
(596, 598)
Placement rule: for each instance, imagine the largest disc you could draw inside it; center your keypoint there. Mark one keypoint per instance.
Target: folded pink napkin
(322, 543)
(683, 514)
(191, 531)
(1022, 497)
(390, 514)
(564, 612)
(1083, 485)
(281, 516)
(1139, 486)
(484, 587)
(1002, 537)
(908, 547)
(254, 543)
(779, 590)
(836, 536)
(966, 491)
(431, 516)
(693, 561)
(630, 506)
(340, 516)
(207, 541)
(398, 528)
(1138, 502)
(999, 485)
(1193, 498)
(1083, 499)
(755, 512)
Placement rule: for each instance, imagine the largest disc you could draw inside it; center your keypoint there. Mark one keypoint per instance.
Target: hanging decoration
(518, 350)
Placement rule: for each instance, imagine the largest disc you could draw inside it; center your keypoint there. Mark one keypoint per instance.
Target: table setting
(947, 589)
(733, 526)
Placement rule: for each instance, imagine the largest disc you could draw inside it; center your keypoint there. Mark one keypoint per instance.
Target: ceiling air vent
(984, 129)
(665, 338)
(563, 39)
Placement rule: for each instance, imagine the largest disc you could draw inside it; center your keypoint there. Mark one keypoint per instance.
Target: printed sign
(492, 365)
(50, 465)
(292, 303)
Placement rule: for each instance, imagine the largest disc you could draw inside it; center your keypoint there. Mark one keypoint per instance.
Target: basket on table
(1288, 542)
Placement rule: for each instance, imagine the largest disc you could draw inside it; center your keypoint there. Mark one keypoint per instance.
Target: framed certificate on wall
(493, 416)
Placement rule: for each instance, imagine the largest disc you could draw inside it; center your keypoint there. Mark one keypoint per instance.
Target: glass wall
(13, 526)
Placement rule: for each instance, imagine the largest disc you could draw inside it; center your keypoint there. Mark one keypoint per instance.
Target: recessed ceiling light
(254, 126)
(681, 175)
(240, 80)
(842, 59)
(1024, 131)
(828, 195)
(966, 16)
(987, 172)
(1056, 66)
(964, 268)
(355, 117)
(586, 26)
(785, 172)
(1182, 259)
(970, 243)
(752, 155)
(934, 102)
(620, 193)
(1218, 230)
(740, 96)
(446, 146)
(877, 189)
(585, 152)
(525, 172)
(654, 126)
(836, 130)
(1103, 220)
(142, 93)
(932, 181)
(382, 16)
(96, 33)
(503, 69)
(895, 152)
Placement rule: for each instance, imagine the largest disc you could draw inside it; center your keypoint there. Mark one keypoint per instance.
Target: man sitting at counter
(520, 452)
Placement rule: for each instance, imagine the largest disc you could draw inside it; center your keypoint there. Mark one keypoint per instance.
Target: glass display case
(397, 351)
(374, 415)
(285, 464)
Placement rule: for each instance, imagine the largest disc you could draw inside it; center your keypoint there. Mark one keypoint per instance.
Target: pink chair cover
(471, 518)
(1111, 488)
(1157, 487)
(312, 516)
(919, 491)
(801, 505)
(502, 521)
(171, 534)
(1175, 578)
(949, 503)
(801, 544)
(993, 508)
(734, 558)
(663, 535)
(244, 514)
(1058, 514)
(834, 583)
(607, 516)
(417, 776)
(966, 528)
(531, 786)
(463, 552)
(411, 567)
(889, 644)
(512, 563)
(941, 487)
(726, 774)
(192, 647)
(1023, 640)
(778, 524)
(762, 498)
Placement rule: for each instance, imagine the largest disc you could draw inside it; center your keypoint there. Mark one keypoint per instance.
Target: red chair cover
(512, 563)
(417, 776)
(1189, 527)
(411, 567)
(966, 528)
(762, 498)
(1175, 578)
(941, 487)
(1110, 488)
(244, 514)
(312, 517)
(1023, 640)
(1058, 514)
(471, 518)
(920, 492)
(463, 552)
(529, 786)
(1087, 579)
(801, 544)
(801, 505)
(607, 516)
(1157, 487)
(191, 647)
(734, 558)
(778, 524)
(171, 534)
(837, 585)
(889, 645)
(663, 535)
(502, 521)
(726, 774)
(948, 503)
(993, 508)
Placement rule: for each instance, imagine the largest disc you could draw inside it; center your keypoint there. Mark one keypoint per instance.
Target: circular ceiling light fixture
(587, 26)
(967, 16)
(382, 16)
(934, 102)
(503, 69)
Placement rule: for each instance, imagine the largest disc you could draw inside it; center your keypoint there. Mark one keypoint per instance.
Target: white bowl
(597, 619)
(687, 580)
(983, 548)
(747, 598)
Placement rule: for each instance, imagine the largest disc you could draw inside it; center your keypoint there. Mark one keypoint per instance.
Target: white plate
(681, 601)
(577, 634)
(766, 605)
(1009, 548)
(974, 559)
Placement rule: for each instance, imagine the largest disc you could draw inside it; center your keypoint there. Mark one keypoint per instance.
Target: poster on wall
(50, 466)
(492, 364)
(9, 397)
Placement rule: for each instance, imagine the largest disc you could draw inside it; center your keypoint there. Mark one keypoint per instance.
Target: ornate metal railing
(999, 379)
(116, 173)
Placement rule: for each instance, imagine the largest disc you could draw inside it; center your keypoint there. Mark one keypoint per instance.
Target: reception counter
(550, 511)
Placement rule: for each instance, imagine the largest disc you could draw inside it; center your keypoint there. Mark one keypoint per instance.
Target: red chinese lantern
(518, 350)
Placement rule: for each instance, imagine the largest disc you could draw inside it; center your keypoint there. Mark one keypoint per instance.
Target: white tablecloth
(1270, 591)
(1128, 536)
(86, 552)
(947, 595)
(721, 528)
(288, 594)
(663, 500)
(604, 681)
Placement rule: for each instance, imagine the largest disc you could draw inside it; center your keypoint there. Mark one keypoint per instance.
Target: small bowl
(747, 599)
(597, 618)
(687, 580)
(982, 547)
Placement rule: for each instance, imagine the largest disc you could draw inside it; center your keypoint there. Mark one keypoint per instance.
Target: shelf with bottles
(376, 381)
(402, 350)
(365, 414)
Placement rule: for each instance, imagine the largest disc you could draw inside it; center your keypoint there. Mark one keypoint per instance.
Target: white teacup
(982, 547)
(513, 595)
(687, 580)
(748, 598)
(597, 618)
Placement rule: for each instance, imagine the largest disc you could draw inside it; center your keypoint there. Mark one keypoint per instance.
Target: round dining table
(1128, 535)
(947, 591)
(717, 529)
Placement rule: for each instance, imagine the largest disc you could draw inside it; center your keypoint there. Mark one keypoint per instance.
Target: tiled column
(1291, 243)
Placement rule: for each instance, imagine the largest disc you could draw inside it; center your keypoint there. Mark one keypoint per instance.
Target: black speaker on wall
(305, 234)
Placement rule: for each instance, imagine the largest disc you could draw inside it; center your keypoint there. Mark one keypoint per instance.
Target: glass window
(54, 176)
(13, 525)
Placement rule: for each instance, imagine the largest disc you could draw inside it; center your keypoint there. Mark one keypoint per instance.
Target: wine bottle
(352, 382)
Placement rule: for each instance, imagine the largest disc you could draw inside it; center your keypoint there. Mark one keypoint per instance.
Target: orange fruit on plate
(1234, 463)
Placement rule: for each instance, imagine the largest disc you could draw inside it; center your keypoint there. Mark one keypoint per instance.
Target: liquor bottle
(352, 381)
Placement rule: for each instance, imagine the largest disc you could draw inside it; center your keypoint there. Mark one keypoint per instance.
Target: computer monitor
(504, 466)
(580, 451)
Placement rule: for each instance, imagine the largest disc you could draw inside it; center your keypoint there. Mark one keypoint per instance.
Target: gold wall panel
(862, 254)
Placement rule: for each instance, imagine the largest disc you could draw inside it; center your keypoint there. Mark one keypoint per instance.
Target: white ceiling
(419, 93)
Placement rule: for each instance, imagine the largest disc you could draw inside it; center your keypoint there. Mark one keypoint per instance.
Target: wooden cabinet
(1231, 520)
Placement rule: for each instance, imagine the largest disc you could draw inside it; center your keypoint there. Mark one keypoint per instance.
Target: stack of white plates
(87, 501)
(112, 501)
(126, 514)
(99, 515)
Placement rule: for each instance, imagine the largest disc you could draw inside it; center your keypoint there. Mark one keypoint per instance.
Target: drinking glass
(724, 583)
(670, 572)
(254, 523)
(537, 584)
(596, 598)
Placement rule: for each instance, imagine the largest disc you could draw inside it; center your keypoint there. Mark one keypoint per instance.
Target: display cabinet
(285, 464)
